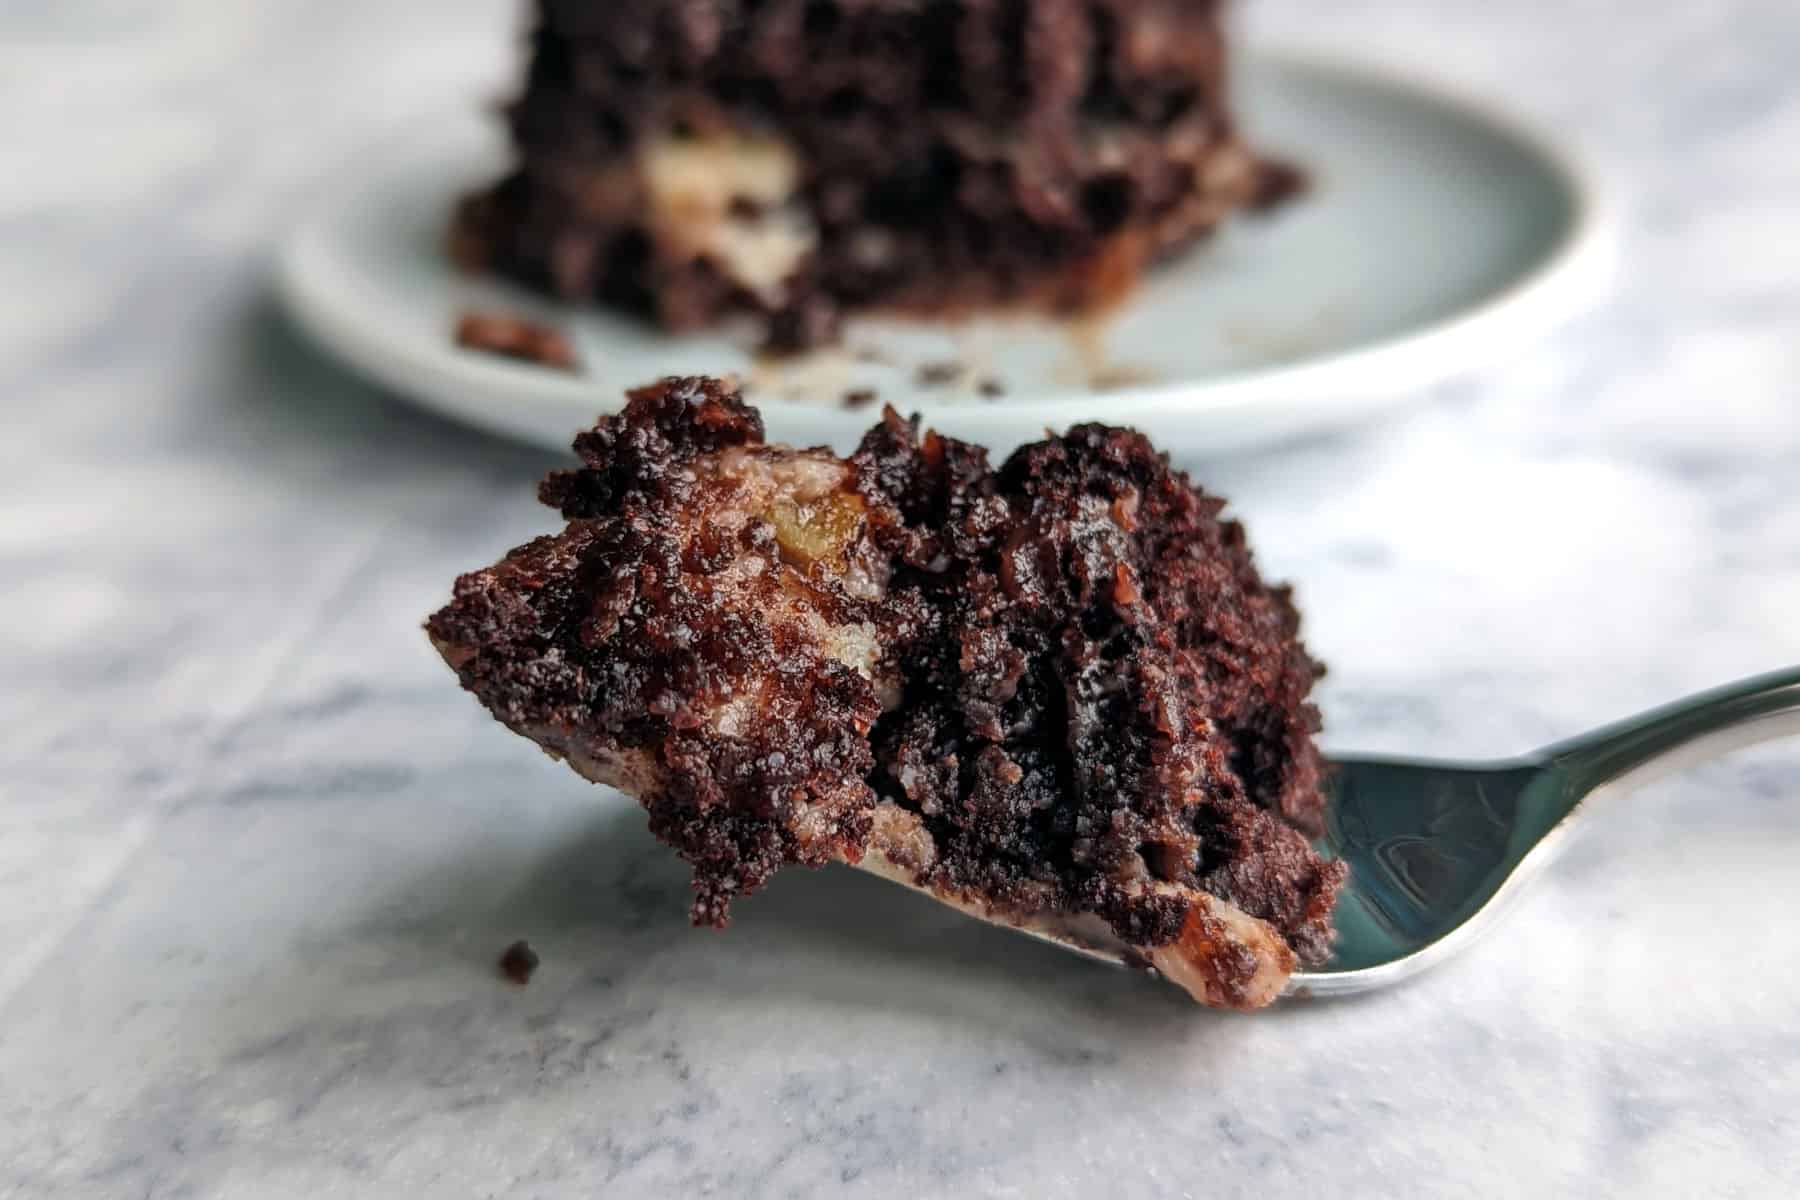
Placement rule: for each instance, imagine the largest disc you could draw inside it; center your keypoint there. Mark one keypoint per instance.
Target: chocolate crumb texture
(1046, 689)
(516, 337)
(519, 963)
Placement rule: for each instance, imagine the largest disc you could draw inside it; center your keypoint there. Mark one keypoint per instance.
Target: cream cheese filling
(731, 199)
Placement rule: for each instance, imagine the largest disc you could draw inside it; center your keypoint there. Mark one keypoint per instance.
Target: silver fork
(1437, 849)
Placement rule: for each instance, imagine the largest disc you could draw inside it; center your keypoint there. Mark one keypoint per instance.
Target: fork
(1437, 849)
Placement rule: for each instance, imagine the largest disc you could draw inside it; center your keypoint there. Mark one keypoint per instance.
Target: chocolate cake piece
(516, 337)
(1054, 694)
(692, 158)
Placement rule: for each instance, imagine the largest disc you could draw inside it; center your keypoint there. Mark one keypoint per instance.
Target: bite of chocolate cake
(797, 158)
(1053, 693)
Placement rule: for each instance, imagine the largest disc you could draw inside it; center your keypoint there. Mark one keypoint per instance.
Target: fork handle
(1678, 735)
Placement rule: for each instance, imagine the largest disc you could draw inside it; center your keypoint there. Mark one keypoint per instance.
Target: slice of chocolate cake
(1054, 694)
(690, 158)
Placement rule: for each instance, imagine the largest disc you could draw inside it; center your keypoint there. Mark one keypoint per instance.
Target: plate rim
(1334, 386)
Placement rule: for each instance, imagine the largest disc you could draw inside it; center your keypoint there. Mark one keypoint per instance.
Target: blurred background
(257, 853)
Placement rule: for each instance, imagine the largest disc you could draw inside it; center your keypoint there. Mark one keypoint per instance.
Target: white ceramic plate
(1439, 236)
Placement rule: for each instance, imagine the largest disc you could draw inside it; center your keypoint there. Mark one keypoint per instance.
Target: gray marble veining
(257, 854)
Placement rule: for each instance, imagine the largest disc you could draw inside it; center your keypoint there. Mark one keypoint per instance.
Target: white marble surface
(257, 853)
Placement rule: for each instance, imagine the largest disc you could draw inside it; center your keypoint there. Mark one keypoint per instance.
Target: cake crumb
(860, 398)
(515, 337)
(806, 324)
(1278, 182)
(519, 963)
(940, 373)
(991, 388)
(1120, 377)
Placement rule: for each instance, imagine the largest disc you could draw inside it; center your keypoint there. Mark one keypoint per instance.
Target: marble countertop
(257, 854)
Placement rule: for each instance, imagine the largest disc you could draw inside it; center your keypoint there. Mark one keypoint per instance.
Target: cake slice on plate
(1053, 693)
(694, 158)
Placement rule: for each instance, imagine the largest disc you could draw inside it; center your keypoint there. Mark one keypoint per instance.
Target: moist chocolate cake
(691, 158)
(1054, 694)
